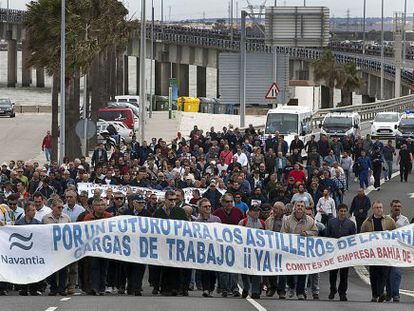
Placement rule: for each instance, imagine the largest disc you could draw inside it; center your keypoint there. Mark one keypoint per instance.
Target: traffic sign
(273, 91)
(90, 129)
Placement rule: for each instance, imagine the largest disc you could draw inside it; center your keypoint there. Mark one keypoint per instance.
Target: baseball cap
(254, 208)
(136, 197)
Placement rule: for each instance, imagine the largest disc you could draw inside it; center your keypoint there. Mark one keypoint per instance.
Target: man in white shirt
(71, 208)
(394, 277)
(241, 157)
(41, 208)
(326, 207)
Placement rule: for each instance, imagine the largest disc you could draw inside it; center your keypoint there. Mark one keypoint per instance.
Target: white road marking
(51, 309)
(65, 299)
(253, 302)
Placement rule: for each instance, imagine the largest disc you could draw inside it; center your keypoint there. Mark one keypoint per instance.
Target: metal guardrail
(368, 111)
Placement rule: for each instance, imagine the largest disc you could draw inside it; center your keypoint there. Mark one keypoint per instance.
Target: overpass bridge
(176, 47)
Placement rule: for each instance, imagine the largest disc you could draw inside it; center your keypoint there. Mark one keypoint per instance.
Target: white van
(289, 121)
(132, 99)
(385, 124)
(341, 123)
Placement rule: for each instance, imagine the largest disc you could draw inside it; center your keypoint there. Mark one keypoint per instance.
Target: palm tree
(326, 69)
(105, 22)
(350, 81)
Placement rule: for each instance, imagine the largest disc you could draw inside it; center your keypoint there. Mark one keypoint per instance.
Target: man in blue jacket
(364, 165)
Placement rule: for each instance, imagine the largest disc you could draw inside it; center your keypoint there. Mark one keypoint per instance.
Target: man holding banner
(300, 223)
(337, 228)
(378, 274)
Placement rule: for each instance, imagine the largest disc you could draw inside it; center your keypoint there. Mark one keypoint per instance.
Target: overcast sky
(182, 9)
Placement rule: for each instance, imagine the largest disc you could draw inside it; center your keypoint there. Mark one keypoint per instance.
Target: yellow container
(188, 104)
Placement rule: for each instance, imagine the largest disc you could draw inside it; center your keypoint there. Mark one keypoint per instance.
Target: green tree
(91, 27)
(350, 81)
(329, 72)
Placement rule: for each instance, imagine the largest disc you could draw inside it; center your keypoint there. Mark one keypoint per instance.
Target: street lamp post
(382, 50)
(62, 82)
(364, 22)
(152, 57)
(142, 56)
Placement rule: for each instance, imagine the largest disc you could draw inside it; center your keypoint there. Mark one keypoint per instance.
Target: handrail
(368, 111)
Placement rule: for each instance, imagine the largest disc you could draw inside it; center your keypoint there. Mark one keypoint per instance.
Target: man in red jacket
(231, 215)
(47, 146)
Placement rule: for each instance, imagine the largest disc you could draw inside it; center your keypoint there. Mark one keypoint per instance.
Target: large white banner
(90, 188)
(31, 253)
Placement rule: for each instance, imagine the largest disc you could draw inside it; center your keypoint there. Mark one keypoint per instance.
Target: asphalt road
(21, 137)
(358, 295)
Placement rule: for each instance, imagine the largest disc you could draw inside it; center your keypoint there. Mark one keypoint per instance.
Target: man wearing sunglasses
(15, 211)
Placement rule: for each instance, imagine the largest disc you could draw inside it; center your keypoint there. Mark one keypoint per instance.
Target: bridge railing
(368, 111)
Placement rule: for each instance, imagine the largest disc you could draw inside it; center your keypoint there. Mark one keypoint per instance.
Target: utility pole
(404, 32)
(85, 105)
(364, 27)
(62, 138)
(348, 19)
(382, 50)
(231, 20)
(243, 69)
(142, 57)
(152, 57)
(162, 16)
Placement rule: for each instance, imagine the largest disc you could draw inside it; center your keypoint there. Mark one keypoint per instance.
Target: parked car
(125, 115)
(123, 131)
(7, 107)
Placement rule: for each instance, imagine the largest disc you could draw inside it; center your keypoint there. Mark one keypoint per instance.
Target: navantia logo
(21, 241)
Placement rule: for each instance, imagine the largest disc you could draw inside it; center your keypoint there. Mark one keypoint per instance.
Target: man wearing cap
(252, 282)
(213, 195)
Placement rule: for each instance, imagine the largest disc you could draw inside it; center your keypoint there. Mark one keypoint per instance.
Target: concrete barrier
(33, 109)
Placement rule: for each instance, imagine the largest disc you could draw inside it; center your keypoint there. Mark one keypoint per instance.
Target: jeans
(378, 276)
(251, 283)
(98, 270)
(208, 280)
(48, 153)
(363, 179)
(300, 285)
(393, 282)
(72, 275)
(57, 281)
(343, 281)
(228, 281)
(347, 178)
(404, 170)
(313, 283)
(388, 169)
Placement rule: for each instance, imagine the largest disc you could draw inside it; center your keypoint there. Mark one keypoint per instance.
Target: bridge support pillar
(26, 70)
(119, 75)
(162, 78)
(182, 73)
(40, 77)
(126, 75)
(201, 81)
(11, 60)
(389, 89)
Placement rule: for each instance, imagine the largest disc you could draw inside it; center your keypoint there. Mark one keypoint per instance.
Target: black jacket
(337, 228)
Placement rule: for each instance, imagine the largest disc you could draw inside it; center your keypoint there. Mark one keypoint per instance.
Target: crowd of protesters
(239, 178)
